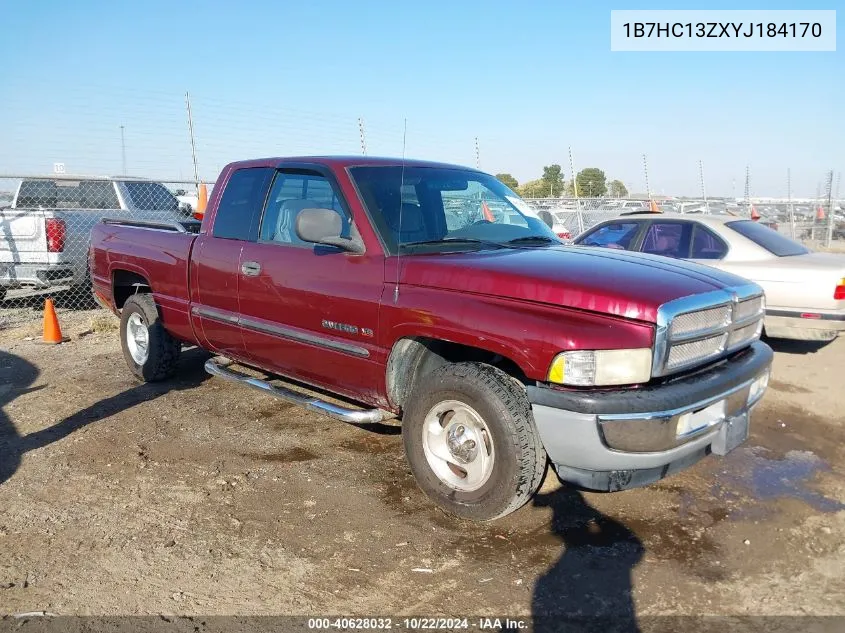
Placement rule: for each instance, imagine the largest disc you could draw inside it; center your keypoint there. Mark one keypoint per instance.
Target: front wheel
(471, 442)
(149, 350)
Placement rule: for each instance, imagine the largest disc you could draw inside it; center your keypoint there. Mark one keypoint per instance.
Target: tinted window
(290, 194)
(243, 197)
(94, 195)
(68, 194)
(37, 193)
(618, 235)
(150, 196)
(669, 239)
(705, 245)
(772, 241)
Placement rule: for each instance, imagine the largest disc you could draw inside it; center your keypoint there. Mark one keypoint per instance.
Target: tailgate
(22, 235)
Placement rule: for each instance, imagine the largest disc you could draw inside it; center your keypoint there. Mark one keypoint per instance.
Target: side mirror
(323, 226)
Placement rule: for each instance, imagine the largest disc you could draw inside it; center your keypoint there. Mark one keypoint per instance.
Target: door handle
(251, 269)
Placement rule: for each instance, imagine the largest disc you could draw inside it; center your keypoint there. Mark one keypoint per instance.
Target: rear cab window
(68, 194)
(618, 235)
(777, 244)
(240, 205)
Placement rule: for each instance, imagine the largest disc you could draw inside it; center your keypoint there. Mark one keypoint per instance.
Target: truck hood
(624, 284)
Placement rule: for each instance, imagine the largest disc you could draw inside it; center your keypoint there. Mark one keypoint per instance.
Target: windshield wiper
(455, 240)
(537, 239)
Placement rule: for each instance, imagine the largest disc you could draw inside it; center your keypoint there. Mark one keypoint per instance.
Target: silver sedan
(805, 290)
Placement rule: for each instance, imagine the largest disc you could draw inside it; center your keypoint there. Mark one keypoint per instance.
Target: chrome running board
(219, 367)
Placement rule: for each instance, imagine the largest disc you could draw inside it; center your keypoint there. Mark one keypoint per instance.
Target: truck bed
(157, 251)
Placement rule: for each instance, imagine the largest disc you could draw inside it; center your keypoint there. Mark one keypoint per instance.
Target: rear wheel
(149, 350)
(471, 442)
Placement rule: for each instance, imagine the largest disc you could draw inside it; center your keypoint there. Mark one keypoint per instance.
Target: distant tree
(617, 189)
(534, 189)
(553, 181)
(508, 181)
(591, 182)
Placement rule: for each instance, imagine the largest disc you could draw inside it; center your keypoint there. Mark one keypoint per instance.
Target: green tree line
(590, 182)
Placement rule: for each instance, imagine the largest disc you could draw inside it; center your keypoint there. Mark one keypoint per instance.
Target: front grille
(683, 354)
(701, 328)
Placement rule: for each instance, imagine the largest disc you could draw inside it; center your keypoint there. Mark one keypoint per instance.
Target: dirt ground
(203, 497)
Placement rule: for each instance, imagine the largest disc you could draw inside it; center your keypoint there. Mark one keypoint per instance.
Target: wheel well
(125, 284)
(414, 357)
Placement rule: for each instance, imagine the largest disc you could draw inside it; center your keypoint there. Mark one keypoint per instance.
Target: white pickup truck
(44, 234)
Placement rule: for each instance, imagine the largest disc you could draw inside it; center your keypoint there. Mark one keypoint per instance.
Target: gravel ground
(203, 497)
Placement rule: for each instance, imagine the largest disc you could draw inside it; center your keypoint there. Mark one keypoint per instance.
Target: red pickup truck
(432, 293)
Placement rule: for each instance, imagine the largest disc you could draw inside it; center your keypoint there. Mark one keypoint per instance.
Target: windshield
(772, 241)
(151, 196)
(441, 207)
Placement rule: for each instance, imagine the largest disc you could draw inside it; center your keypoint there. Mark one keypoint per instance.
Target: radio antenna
(399, 240)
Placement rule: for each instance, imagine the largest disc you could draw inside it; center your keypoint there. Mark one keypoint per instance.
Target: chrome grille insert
(702, 321)
(745, 334)
(749, 308)
(683, 354)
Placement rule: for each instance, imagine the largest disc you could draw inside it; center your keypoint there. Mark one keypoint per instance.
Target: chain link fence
(45, 227)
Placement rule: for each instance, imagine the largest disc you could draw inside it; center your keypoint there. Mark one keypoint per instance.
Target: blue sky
(529, 79)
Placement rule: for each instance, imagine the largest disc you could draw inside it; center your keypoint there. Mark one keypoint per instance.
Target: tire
(162, 350)
(453, 398)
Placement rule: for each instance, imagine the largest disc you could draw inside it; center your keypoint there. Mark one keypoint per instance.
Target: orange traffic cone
(820, 213)
(202, 201)
(754, 215)
(52, 331)
(653, 207)
(487, 214)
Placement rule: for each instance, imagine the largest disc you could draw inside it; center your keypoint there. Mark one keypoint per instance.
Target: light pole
(123, 150)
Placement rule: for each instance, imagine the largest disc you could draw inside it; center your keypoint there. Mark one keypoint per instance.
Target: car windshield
(151, 196)
(447, 209)
(772, 241)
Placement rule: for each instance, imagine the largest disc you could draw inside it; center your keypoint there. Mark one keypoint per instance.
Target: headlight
(601, 367)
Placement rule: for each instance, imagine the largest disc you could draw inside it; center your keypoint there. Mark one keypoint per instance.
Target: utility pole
(791, 207)
(645, 171)
(703, 191)
(193, 144)
(477, 155)
(747, 189)
(123, 151)
(579, 214)
(829, 208)
(363, 140)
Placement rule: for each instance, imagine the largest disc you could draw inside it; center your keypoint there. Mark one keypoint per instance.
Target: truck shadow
(17, 376)
(589, 587)
(789, 346)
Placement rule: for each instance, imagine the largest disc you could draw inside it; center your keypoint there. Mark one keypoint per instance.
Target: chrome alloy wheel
(137, 338)
(458, 446)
